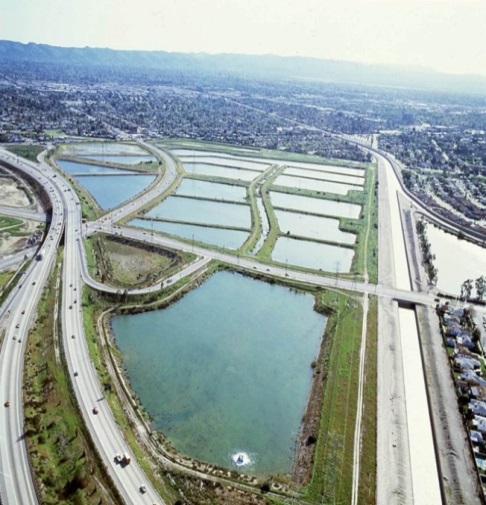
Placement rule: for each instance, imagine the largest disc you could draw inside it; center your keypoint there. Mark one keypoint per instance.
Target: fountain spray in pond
(241, 459)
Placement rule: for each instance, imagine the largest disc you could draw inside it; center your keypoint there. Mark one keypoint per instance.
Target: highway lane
(103, 428)
(18, 313)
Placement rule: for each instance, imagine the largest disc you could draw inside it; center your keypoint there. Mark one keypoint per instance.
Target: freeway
(16, 483)
(18, 314)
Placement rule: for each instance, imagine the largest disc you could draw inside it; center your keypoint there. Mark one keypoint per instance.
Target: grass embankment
(372, 212)
(65, 463)
(367, 476)
(4, 279)
(256, 223)
(265, 252)
(29, 152)
(366, 229)
(10, 224)
(144, 167)
(332, 474)
(55, 133)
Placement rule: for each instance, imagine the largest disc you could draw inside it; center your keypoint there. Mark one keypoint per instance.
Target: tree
(481, 287)
(476, 335)
(466, 289)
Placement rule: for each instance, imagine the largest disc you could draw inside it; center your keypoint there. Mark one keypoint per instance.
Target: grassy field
(54, 133)
(4, 278)
(372, 213)
(368, 219)
(29, 152)
(367, 477)
(331, 480)
(10, 224)
(64, 460)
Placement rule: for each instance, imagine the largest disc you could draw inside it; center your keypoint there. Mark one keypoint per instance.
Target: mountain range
(247, 66)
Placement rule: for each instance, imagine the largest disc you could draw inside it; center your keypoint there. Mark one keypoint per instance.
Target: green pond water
(104, 148)
(74, 168)
(315, 184)
(226, 369)
(314, 255)
(222, 237)
(220, 171)
(203, 211)
(327, 176)
(112, 190)
(213, 190)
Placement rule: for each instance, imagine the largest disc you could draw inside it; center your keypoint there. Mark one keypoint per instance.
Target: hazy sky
(448, 35)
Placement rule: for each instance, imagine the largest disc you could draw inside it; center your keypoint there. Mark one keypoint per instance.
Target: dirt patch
(10, 244)
(127, 264)
(12, 193)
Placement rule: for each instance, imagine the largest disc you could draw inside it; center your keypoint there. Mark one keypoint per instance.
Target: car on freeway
(7, 404)
(143, 489)
(95, 410)
(118, 458)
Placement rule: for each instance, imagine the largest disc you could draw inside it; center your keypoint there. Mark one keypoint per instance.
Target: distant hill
(264, 66)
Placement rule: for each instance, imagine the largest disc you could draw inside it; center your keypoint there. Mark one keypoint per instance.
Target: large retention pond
(227, 369)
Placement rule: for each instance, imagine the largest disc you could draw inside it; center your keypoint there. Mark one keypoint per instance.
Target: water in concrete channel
(425, 480)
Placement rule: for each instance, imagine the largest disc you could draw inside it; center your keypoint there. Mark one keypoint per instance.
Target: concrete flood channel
(423, 463)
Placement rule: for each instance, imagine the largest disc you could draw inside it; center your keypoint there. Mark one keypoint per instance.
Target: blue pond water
(226, 369)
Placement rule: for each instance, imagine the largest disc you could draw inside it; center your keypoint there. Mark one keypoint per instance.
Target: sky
(445, 35)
